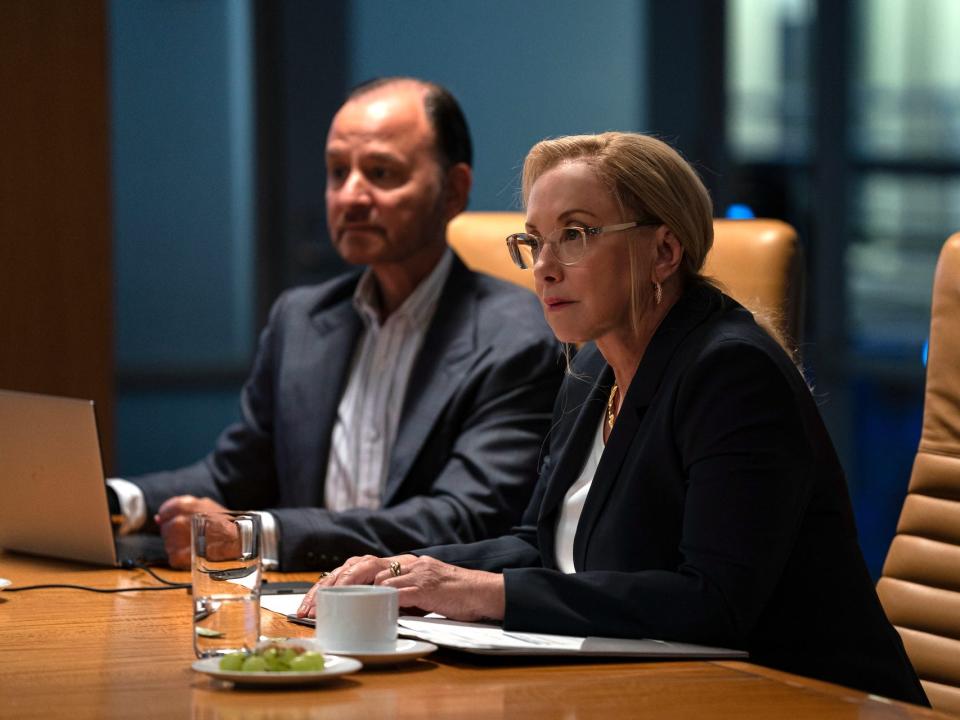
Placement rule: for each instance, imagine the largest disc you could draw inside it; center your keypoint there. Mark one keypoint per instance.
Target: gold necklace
(611, 415)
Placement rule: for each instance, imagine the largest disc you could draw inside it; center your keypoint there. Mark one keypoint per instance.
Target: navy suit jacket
(470, 436)
(718, 514)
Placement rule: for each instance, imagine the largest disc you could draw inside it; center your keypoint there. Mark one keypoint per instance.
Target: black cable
(158, 578)
(93, 589)
(168, 585)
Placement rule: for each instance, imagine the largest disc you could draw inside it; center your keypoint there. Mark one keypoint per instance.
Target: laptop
(53, 497)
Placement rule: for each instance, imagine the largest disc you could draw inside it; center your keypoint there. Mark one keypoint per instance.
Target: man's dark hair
(449, 124)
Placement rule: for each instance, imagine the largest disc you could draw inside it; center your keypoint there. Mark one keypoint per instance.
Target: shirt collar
(419, 305)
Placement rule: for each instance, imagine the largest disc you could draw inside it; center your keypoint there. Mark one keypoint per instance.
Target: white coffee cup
(357, 618)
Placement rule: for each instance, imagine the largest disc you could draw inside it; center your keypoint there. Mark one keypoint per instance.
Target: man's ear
(669, 253)
(458, 183)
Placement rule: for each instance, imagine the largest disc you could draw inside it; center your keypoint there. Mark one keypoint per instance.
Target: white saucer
(333, 667)
(4, 582)
(404, 651)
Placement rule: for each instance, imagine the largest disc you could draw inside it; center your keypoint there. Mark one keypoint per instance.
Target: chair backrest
(920, 586)
(760, 265)
(758, 262)
(479, 239)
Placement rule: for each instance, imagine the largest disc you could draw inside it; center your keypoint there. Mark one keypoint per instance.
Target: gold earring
(657, 293)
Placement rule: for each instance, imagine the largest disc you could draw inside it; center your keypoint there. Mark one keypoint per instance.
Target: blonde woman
(690, 491)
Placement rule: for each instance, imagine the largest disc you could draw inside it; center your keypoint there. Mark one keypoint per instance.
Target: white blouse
(573, 504)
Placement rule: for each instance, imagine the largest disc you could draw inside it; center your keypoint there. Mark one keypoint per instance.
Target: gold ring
(395, 568)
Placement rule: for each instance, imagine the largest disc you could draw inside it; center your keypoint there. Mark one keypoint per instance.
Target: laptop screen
(52, 493)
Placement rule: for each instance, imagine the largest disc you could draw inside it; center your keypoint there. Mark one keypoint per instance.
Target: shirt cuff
(133, 506)
(269, 538)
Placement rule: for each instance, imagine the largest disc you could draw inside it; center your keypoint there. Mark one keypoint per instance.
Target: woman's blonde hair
(650, 181)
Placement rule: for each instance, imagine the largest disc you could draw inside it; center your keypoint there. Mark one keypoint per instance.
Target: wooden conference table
(71, 654)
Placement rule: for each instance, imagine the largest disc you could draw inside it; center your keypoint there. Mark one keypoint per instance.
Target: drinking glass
(226, 567)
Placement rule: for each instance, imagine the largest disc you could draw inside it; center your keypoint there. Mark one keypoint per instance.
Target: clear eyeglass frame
(569, 243)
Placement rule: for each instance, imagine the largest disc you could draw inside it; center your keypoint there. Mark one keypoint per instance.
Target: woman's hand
(358, 570)
(424, 583)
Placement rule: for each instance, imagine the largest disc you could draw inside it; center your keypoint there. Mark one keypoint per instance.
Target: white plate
(333, 667)
(4, 582)
(404, 651)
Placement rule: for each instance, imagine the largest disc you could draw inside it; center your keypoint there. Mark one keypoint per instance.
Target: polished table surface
(72, 654)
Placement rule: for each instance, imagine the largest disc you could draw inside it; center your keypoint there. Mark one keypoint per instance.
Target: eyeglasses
(569, 243)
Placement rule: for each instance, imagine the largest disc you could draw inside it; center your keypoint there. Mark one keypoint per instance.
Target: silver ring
(395, 568)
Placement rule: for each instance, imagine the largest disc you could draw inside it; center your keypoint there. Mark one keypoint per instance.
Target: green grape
(275, 657)
(316, 658)
(307, 662)
(254, 663)
(232, 662)
(273, 660)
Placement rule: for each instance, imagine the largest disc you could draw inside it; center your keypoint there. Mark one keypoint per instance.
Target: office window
(901, 221)
(844, 120)
(768, 85)
(907, 99)
(905, 138)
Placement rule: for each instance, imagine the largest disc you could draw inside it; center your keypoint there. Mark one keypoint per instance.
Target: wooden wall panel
(56, 283)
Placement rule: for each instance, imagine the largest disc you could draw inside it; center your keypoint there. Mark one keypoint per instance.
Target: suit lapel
(327, 351)
(585, 402)
(689, 313)
(584, 406)
(448, 351)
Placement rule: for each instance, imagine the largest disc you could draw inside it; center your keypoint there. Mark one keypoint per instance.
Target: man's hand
(173, 518)
(424, 583)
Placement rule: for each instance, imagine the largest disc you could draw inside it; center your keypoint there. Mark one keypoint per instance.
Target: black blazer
(471, 431)
(719, 513)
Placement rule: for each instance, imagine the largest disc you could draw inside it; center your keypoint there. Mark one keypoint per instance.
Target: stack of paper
(494, 640)
(283, 604)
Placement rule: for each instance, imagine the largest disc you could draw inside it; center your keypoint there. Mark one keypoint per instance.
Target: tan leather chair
(920, 586)
(479, 238)
(758, 262)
